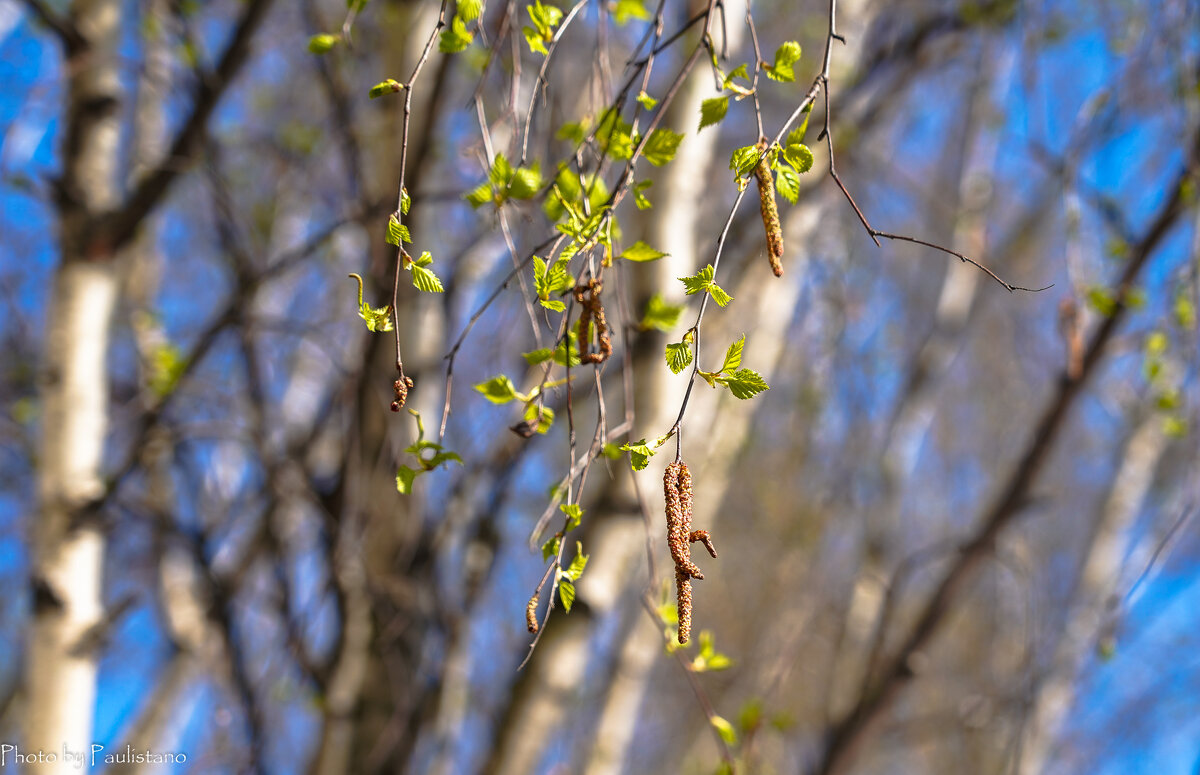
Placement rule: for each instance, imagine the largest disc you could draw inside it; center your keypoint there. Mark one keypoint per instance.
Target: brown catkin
(677, 486)
(683, 593)
(401, 387)
(770, 210)
(593, 310)
(531, 622)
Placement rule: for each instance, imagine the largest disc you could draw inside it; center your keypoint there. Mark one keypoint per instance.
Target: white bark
(68, 561)
(61, 679)
(1101, 571)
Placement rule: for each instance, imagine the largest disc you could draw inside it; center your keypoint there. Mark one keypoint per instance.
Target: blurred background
(958, 534)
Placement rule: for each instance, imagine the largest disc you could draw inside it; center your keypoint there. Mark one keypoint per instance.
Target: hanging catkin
(677, 487)
(770, 210)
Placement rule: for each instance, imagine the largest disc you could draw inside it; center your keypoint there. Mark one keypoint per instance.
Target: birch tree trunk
(69, 549)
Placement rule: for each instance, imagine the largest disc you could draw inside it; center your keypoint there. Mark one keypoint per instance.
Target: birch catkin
(770, 210)
(677, 487)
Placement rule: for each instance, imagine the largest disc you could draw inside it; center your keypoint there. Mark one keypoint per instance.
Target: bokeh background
(272, 604)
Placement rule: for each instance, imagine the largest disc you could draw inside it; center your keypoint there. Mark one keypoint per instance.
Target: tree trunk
(69, 548)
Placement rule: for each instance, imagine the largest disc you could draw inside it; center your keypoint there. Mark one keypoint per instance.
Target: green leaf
(574, 131)
(661, 146)
(396, 231)
(456, 38)
(567, 351)
(469, 10)
(1184, 311)
(322, 44)
(611, 451)
(389, 86)
(501, 171)
(787, 183)
(641, 252)
(733, 356)
(167, 364)
(379, 320)
(724, 729)
(574, 514)
(744, 160)
(702, 282)
(787, 55)
(550, 548)
(640, 199)
(660, 315)
(404, 479)
(799, 156)
(498, 390)
(376, 319)
(405, 201)
(646, 101)
(545, 18)
(526, 182)
(744, 383)
(480, 195)
(543, 416)
(538, 356)
(578, 564)
(1101, 300)
(424, 279)
(639, 454)
(624, 10)
(679, 355)
(740, 71)
(566, 593)
(712, 111)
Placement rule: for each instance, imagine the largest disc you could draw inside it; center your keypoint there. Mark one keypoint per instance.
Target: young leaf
(389, 86)
(712, 111)
(480, 195)
(566, 593)
(578, 564)
(744, 160)
(799, 156)
(574, 514)
(702, 281)
(498, 390)
(724, 729)
(787, 55)
(538, 356)
(679, 355)
(526, 182)
(456, 38)
(469, 10)
(322, 44)
(743, 383)
(550, 548)
(639, 454)
(404, 479)
(641, 252)
(661, 146)
(624, 10)
(376, 319)
(424, 279)
(740, 71)
(733, 356)
(396, 231)
(787, 183)
(542, 416)
(660, 315)
(640, 199)
(646, 101)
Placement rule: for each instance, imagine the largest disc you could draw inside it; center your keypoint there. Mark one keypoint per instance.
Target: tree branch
(848, 736)
(63, 28)
(116, 228)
